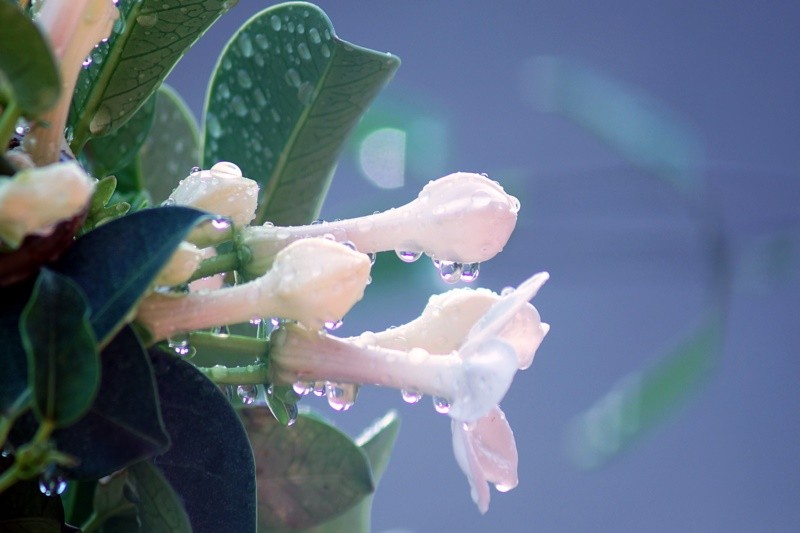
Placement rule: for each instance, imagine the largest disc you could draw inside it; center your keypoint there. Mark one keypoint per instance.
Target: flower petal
(467, 460)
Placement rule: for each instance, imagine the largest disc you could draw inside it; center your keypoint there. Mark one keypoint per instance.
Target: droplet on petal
(411, 396)
(441, 405)
(408, 256)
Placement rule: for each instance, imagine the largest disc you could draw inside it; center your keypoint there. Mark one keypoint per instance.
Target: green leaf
(14, 361)
(210, 463)
(643, 399)
(24, 509)
(158, 508)
(123, 425)
(377, 442)
(285, 94)
(173, 146)
(64, 368)
(308, 473)
(132, 64)
(111, 153)
(26, 62)
(115, 263)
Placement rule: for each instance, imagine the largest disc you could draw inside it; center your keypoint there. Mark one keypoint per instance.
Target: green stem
(236, 346)
(20, 405)
(256, 374)
(9, 477)
(216, 265)
(8, 121)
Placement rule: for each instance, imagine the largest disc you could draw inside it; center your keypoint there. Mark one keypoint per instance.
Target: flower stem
(230, 348)
(216, 265)
(256, 374)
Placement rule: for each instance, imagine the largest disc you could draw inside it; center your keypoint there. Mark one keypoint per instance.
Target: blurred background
(654, 149)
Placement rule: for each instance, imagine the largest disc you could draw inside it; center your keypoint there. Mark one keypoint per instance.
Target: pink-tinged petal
(495, 449)
(464, 451)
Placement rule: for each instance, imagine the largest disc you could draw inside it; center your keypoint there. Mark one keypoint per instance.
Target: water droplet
(261, 100)
(275, 21)
(503, 488)
(333, 325)
(341, 396)
(418, 355)
(441, 405)
(303, 51)
(292, 78)
(408, 256)
(222, 331)
(303, 388)
(470, 271)
(221, 223)
(291, 412)
(180, 344)
(168, 202)
(411, 396)
(195, 169)
(372, 257)
(262, 41)
(245, 44)
(147, 19)
(213, 126)
(87, 62)
(244, 79)
(247, 393)
(481, 198)
(506, 291)
(313, 34)
(101, 121)
(275, 115)
(239, 107)
(51, 482)
(225, 169)
(319, 388)
(326, 52)
(276, 322)
(450, 271)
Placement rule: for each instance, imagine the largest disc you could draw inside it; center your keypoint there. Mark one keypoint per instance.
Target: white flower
(313, 281)
(181, 266)
(463, 217)
(487, 453)
(473, 378)
(222, 190)
(74, 28)
(34, 200)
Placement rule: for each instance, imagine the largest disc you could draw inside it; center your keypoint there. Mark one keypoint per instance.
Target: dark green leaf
(643, 399)
(172, 148)
(297, 91)
(23, 507)
(210, 464)
(62, 352)
(158, 508)
(307, 473)
(116, 263)
(110, 153)
(377, 442)
(30, 70)
(14, 362)
(133, 63)
(78, 501)
(123, 425)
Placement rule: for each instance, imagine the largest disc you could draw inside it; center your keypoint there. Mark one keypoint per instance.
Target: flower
(462, 217)
(312, 281)
(222, 190)
(181, 266)
(74, 28)
(473, 378)
(35, 199)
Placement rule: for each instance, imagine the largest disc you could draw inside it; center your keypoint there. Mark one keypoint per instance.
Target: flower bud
(35, 199)
(181, 266)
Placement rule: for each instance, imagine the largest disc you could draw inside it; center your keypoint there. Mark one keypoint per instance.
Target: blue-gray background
(507, 88)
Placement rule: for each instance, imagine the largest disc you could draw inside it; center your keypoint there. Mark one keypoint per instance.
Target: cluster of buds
(463, 350)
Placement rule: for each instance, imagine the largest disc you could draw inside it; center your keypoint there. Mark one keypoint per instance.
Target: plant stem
(256, 374)
(216, 265)
(8, 121)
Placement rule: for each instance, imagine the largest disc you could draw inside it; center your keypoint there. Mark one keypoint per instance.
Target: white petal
(495, 449)
(468, 462)
(487, 371)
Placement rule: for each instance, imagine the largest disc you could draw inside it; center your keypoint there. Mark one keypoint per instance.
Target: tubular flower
(34, 200)
(313, 281)
(462, 218)
(181, 265)
(221, 190)
(74, 28)
(473, 378)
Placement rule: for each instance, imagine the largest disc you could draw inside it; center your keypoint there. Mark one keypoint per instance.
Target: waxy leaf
(26, 63)
(111, 153)
(129, 68)
(210, 463)
(377, 442)
(172, 148)
(158, 507)
(285, 94)
(124, 424)
(115, 263)
(24, 509)
(14, 361)
(307, 473)
(64, 368)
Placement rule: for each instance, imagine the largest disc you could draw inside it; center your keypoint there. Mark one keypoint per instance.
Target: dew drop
(247, 393)
(333, 325)
(51, 482)
(411, 396)
(305, 92)
(180, 344)
(450, 271)
(291, 412)
(275, 22)
(244, 79)
(221, 224)
(319, 388)
(195, 169)
(470, 271)
(212, 126)
(417, 355)
(225, 170)
(372, 257)
(503, 488)
(303, 388)
(408, 256)
(87, 62)
(341, 396)
(245, 44)
(147, 19)
(303, 51)
(313, 34)
(239, 107)
(221, 331)
(481, 198)
(441, 405)
(262, 41)
(326, 52)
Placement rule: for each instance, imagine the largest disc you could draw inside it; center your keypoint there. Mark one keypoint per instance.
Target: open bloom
(74, 28)
(35, 199)
(473, 378)
(462, 218)
(313, 281)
